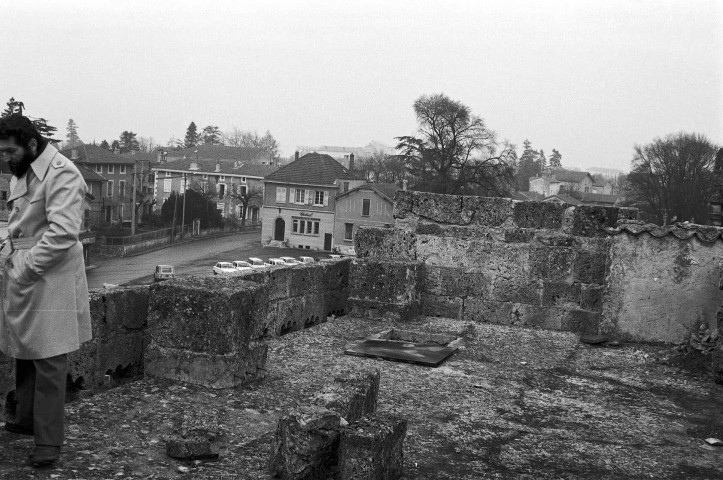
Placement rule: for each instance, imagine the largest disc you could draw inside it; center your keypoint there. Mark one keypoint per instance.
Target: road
(196, 257)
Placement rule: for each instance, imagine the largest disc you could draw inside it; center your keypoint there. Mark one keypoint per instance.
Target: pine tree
(15, 107)
(104, 144)
(72, 135)
(191, 138)
(211, 135)
(542, 160)
(128, 142)
(555, 159)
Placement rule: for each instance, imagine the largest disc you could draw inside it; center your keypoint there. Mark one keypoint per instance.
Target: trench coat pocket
(18, 269)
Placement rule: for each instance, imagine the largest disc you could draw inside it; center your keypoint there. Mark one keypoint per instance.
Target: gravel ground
(511, 403)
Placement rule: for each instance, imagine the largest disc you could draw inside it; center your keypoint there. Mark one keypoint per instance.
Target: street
(195, 257)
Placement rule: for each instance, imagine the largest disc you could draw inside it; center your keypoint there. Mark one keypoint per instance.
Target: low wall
(585, 269)
(124, 319)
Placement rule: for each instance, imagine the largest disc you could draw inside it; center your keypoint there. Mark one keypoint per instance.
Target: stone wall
(588, 269)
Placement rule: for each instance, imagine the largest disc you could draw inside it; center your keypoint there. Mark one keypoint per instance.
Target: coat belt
(23, 243)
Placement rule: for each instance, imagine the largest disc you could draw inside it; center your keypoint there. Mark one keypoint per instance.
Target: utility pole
(173, 230)
(133, 205)
(183, 214)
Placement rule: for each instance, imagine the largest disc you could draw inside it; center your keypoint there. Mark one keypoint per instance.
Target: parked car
(223, 267)
(256, 263)
(306, 260)
(163, 272)
(276, 262)
(241, 265)
(290, 260)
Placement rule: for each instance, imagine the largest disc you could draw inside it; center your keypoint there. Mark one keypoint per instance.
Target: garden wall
(588, 269)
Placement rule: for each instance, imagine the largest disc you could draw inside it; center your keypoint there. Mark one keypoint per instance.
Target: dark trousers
(40, 396)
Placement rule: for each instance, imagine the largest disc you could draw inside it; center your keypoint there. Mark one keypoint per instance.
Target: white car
(223, 267)
(306, 260)
(290, 260)
(241, 265)
(256, 263)
(276, 262)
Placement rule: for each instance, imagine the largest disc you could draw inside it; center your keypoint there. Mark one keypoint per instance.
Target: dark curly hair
(21, 129)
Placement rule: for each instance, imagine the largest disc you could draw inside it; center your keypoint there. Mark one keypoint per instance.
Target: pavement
(511, 403)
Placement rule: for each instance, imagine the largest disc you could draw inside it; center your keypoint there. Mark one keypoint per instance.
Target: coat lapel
(19, 186)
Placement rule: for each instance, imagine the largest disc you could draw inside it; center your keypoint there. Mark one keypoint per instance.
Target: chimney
(351, 161)
(74, 154)
(296, 155)
(404, 184)
(218, 167)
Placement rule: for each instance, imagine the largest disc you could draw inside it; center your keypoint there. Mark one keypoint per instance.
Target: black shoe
(19, 429)
(44, 456)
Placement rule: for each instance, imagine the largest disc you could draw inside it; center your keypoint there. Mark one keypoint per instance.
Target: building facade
(299, 202)
(221, 181)
(369, 204)
(344, 154)
(116, 197)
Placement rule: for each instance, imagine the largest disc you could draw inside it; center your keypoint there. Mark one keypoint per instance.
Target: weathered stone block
(551, 263)
(549, 318)
(459, 282)
(561, 294)
(519, 235)
(591, 297)
(306, 445)
(555, 239)
(119, 352)
(522, 290)
(127, 307)
(83, 365)
(487, 211)
(295, 313)
(581, 321)
(479, 309)
(590, 266)
(352, 394)
(197, 435)
(589, 220)
(385, 243)
(538, 215)
(434, 305)
(372, 449)
(392, 281)
(210, 370)
(337, 302)
(209, 315)
(336, 275)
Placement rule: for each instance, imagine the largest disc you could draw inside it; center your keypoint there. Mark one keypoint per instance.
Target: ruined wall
(585, 269)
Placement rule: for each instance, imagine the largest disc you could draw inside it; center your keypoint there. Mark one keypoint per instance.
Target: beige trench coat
(44, 290)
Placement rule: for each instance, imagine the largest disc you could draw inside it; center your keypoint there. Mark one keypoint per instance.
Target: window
(346, 187)
(222, 178)
(221, 190)
(280, 194)
(110, 168)
(319, 198)
(122, 188)
(242, 189)
(220, 206)
(243, 179)
(168, 174)
(99, 169)
(109, 192)
(167, 185)
(301, 226)
(299, 195)
(122, 170)
(348, 231)
(365, 207)
(205, 177)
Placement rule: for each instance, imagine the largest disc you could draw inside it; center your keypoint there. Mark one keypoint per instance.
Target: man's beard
(20, 167)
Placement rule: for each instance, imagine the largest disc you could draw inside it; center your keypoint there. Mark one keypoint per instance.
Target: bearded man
(45, 310)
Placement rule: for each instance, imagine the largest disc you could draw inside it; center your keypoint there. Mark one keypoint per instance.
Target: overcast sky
(590, 79)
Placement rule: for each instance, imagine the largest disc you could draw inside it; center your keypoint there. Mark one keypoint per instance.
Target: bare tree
(245, 196)
(454, 152)
(672, 178)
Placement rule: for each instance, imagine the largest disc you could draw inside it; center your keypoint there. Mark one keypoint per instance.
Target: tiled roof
(527, 196)
(569, 176)
(208, 167)
(219, 152)
(386, 190)
(587, 197)
(564, 198)
(95, 154)
(89, 175)
(682, 231)
(312, 169)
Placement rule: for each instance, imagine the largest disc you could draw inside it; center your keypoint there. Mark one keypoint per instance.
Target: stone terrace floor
(512, 403)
